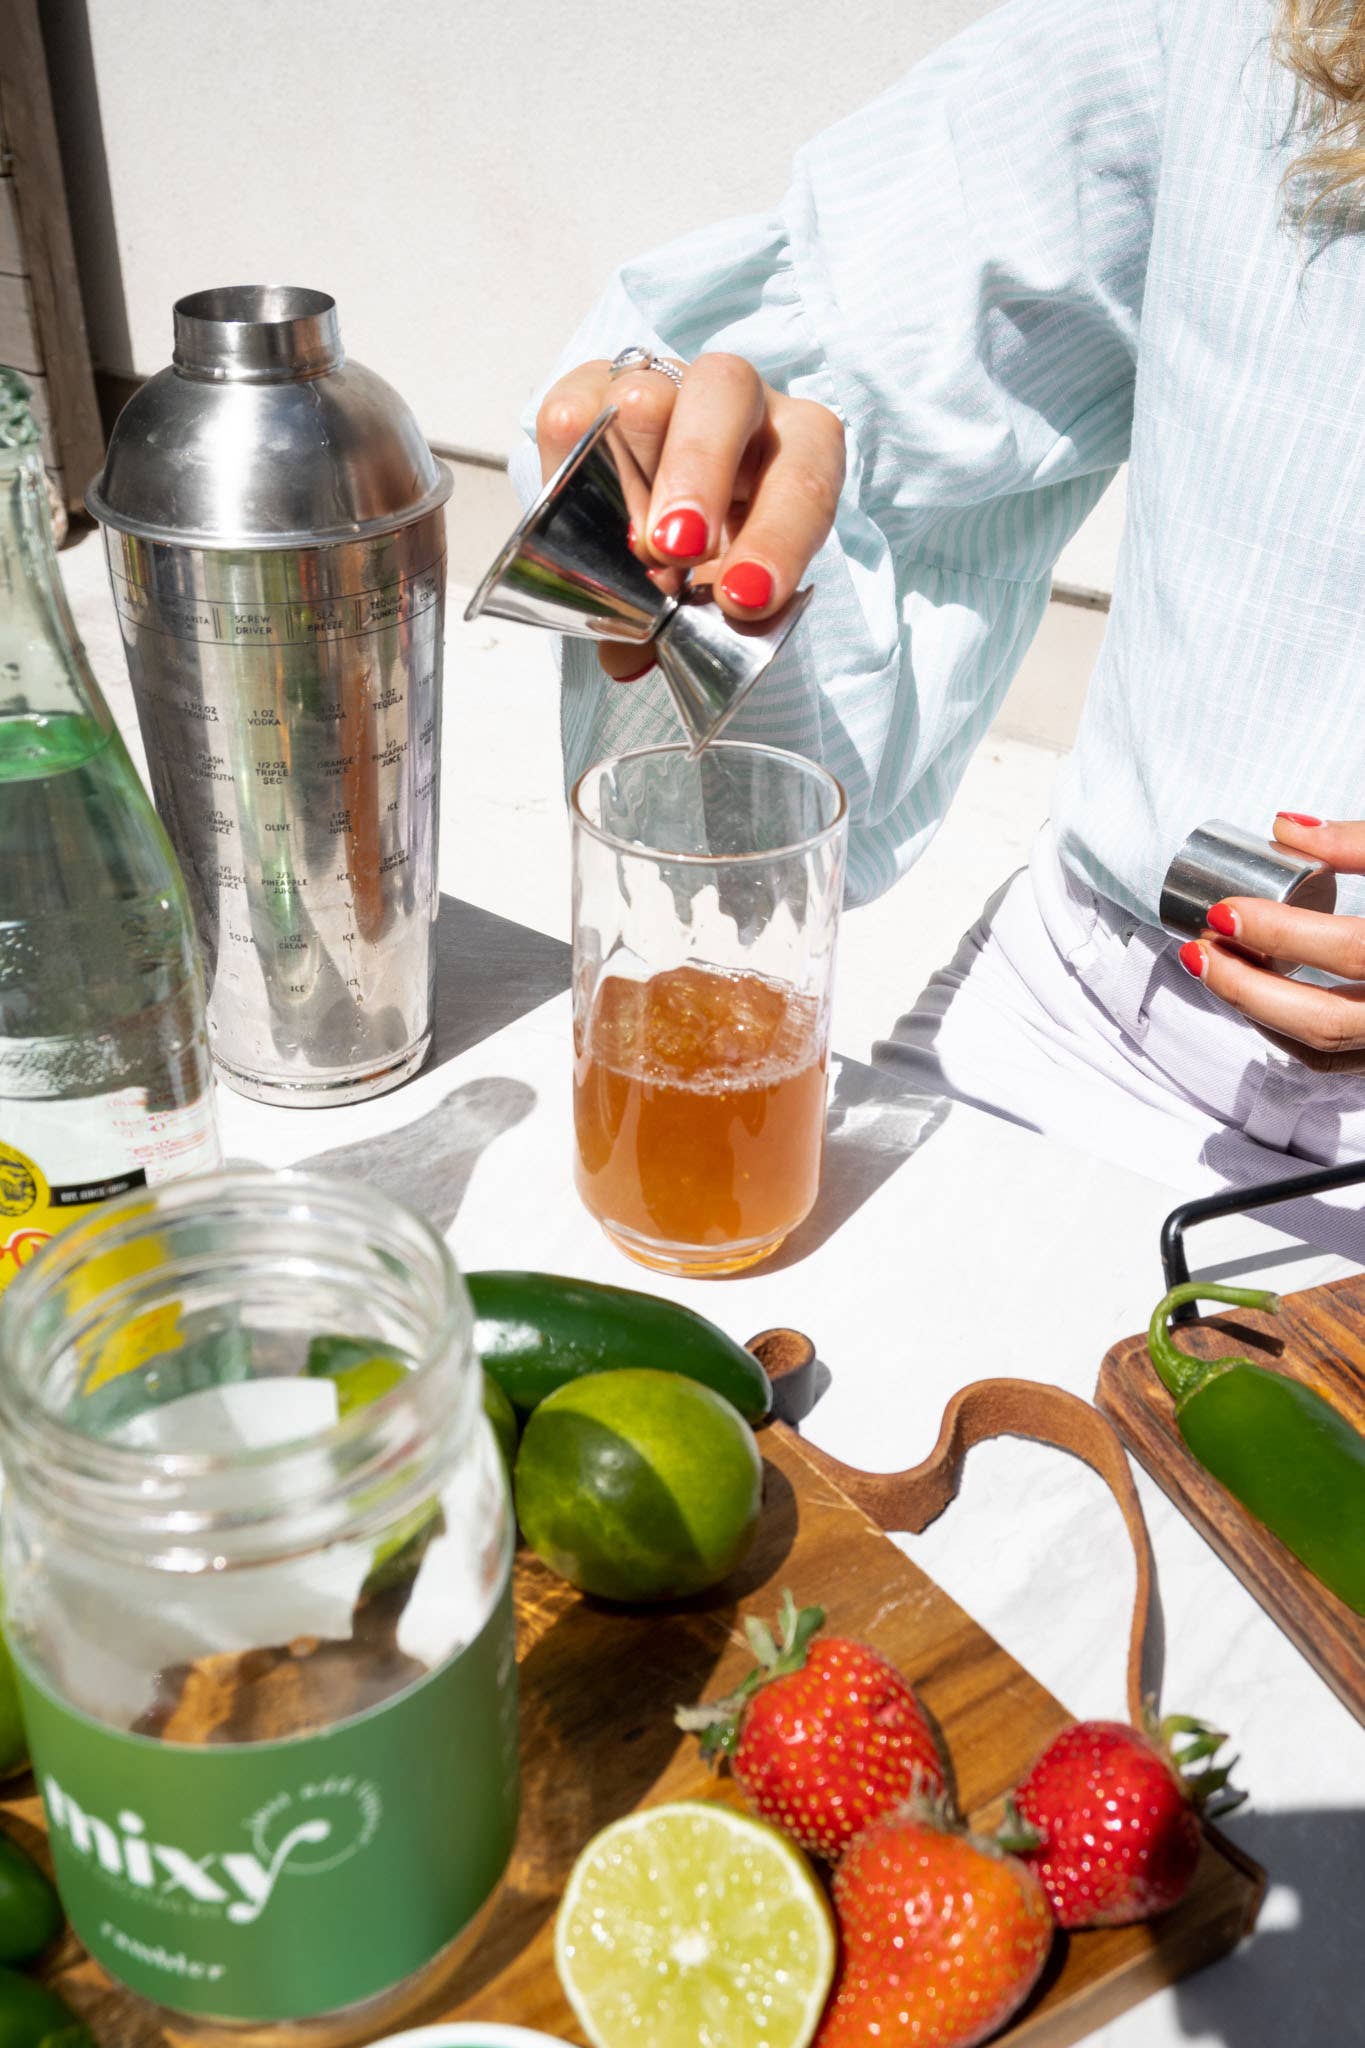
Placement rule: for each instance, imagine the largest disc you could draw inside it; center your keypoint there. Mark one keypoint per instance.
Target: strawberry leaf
(761, 1641)
(1186, 1741)
(718, 1722)
(1015, 1835)
(1197, 1748)
(798, 1631)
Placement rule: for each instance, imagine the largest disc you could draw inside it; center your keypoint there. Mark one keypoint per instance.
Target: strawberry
(942, 1938)
(824, 1737)
(1109, 1821)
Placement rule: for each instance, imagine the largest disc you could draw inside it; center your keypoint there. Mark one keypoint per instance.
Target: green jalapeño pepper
(537, 1331)
(1289, 1456)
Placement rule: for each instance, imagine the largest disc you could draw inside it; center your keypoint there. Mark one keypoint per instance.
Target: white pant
(1061, 1014)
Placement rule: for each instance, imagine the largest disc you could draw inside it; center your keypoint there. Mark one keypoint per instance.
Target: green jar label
(280, 1880)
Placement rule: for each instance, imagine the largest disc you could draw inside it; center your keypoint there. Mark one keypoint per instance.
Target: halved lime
(693, 1926)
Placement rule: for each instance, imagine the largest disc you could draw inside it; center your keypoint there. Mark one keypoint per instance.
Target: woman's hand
(1325, 1027)
(745, 480)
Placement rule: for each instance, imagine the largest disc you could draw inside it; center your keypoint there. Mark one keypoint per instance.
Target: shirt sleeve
(957, 271)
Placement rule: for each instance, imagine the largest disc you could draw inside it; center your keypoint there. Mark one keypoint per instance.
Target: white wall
(461, 174)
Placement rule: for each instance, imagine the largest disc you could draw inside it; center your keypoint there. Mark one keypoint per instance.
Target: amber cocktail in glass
(706, 908)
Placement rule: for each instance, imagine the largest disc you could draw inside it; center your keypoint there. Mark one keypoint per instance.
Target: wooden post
(42, 323)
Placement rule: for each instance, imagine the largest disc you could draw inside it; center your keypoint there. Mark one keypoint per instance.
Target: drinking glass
(706, 910)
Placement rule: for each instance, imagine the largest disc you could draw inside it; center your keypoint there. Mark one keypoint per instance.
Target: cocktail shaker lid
(1219, 859)
(261, 434)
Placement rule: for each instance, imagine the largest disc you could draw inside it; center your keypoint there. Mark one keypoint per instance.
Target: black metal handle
(1232, 1203)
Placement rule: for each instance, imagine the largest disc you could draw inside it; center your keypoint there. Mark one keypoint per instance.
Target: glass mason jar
(706, 910)
(257, 1571)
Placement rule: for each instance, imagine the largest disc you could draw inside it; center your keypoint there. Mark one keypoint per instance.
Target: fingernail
(1221, 919)
(681, 534)
(635, 674)
(747, 583)
(1298, 818)
(1192, 959)
(632, 534)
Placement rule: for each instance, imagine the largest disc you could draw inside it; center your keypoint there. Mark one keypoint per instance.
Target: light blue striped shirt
(1059, 243)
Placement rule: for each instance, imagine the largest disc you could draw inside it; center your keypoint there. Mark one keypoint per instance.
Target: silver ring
(637, 358)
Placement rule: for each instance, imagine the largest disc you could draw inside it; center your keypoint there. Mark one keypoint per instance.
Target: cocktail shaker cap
(261, 434)
(1219, 859)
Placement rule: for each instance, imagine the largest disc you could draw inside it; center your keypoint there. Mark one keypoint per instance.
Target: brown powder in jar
(296, 1688)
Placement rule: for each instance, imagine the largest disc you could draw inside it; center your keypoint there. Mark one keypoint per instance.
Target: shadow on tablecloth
(874, 1125)
(1296, 1983)
(428, 1163)
(489, 972)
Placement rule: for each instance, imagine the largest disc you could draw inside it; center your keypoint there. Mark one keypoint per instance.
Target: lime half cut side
(692, 1926)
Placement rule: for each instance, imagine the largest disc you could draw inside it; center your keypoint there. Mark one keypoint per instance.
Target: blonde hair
(1322, 42)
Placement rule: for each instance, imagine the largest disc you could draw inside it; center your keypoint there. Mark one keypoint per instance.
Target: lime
(358, 1385)
(31, 2016)
(361, 1371)
(638, 1485)
(31, 1917)
(692, 1926)
(330, 1355)
(360, 1368)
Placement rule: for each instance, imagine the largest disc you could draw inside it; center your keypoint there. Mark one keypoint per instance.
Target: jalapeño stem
(1180, 1374)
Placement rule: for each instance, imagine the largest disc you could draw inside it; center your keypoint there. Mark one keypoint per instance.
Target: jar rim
(154, 1491)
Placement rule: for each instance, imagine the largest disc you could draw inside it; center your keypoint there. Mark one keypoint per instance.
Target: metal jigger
(1219, 860)
(569, 566)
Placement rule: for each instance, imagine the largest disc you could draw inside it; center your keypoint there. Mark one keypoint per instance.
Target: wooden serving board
(1319, 1338)
(598, 1686)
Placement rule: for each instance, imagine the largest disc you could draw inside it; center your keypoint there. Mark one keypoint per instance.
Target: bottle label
(274, 1881)
(59, 1158)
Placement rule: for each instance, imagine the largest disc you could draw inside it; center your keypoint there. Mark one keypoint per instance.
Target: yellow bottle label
(59, 1159)
(26, 1220)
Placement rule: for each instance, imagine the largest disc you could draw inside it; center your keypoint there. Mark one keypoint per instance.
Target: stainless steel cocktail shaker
(276, 544)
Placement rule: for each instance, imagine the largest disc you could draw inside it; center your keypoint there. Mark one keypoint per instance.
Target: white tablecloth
(947, 1246)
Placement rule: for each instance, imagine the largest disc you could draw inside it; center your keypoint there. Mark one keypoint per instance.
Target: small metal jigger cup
(1220, 860)
(569, 567)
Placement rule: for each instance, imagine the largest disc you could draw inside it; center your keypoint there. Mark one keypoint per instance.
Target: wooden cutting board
(1319, 1338)
(598, 1686)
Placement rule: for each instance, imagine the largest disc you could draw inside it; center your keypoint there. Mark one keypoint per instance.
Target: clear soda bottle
(104, 1067)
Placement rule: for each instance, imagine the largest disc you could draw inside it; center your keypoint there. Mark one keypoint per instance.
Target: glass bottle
(104, 1069)
(257, 1552)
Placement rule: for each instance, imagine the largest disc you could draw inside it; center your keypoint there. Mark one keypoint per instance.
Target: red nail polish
(635, 674)
(632, 534)
(681, 534)
(1298, 818)
(1192, 959)
(747, 583)
(1221, 919)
